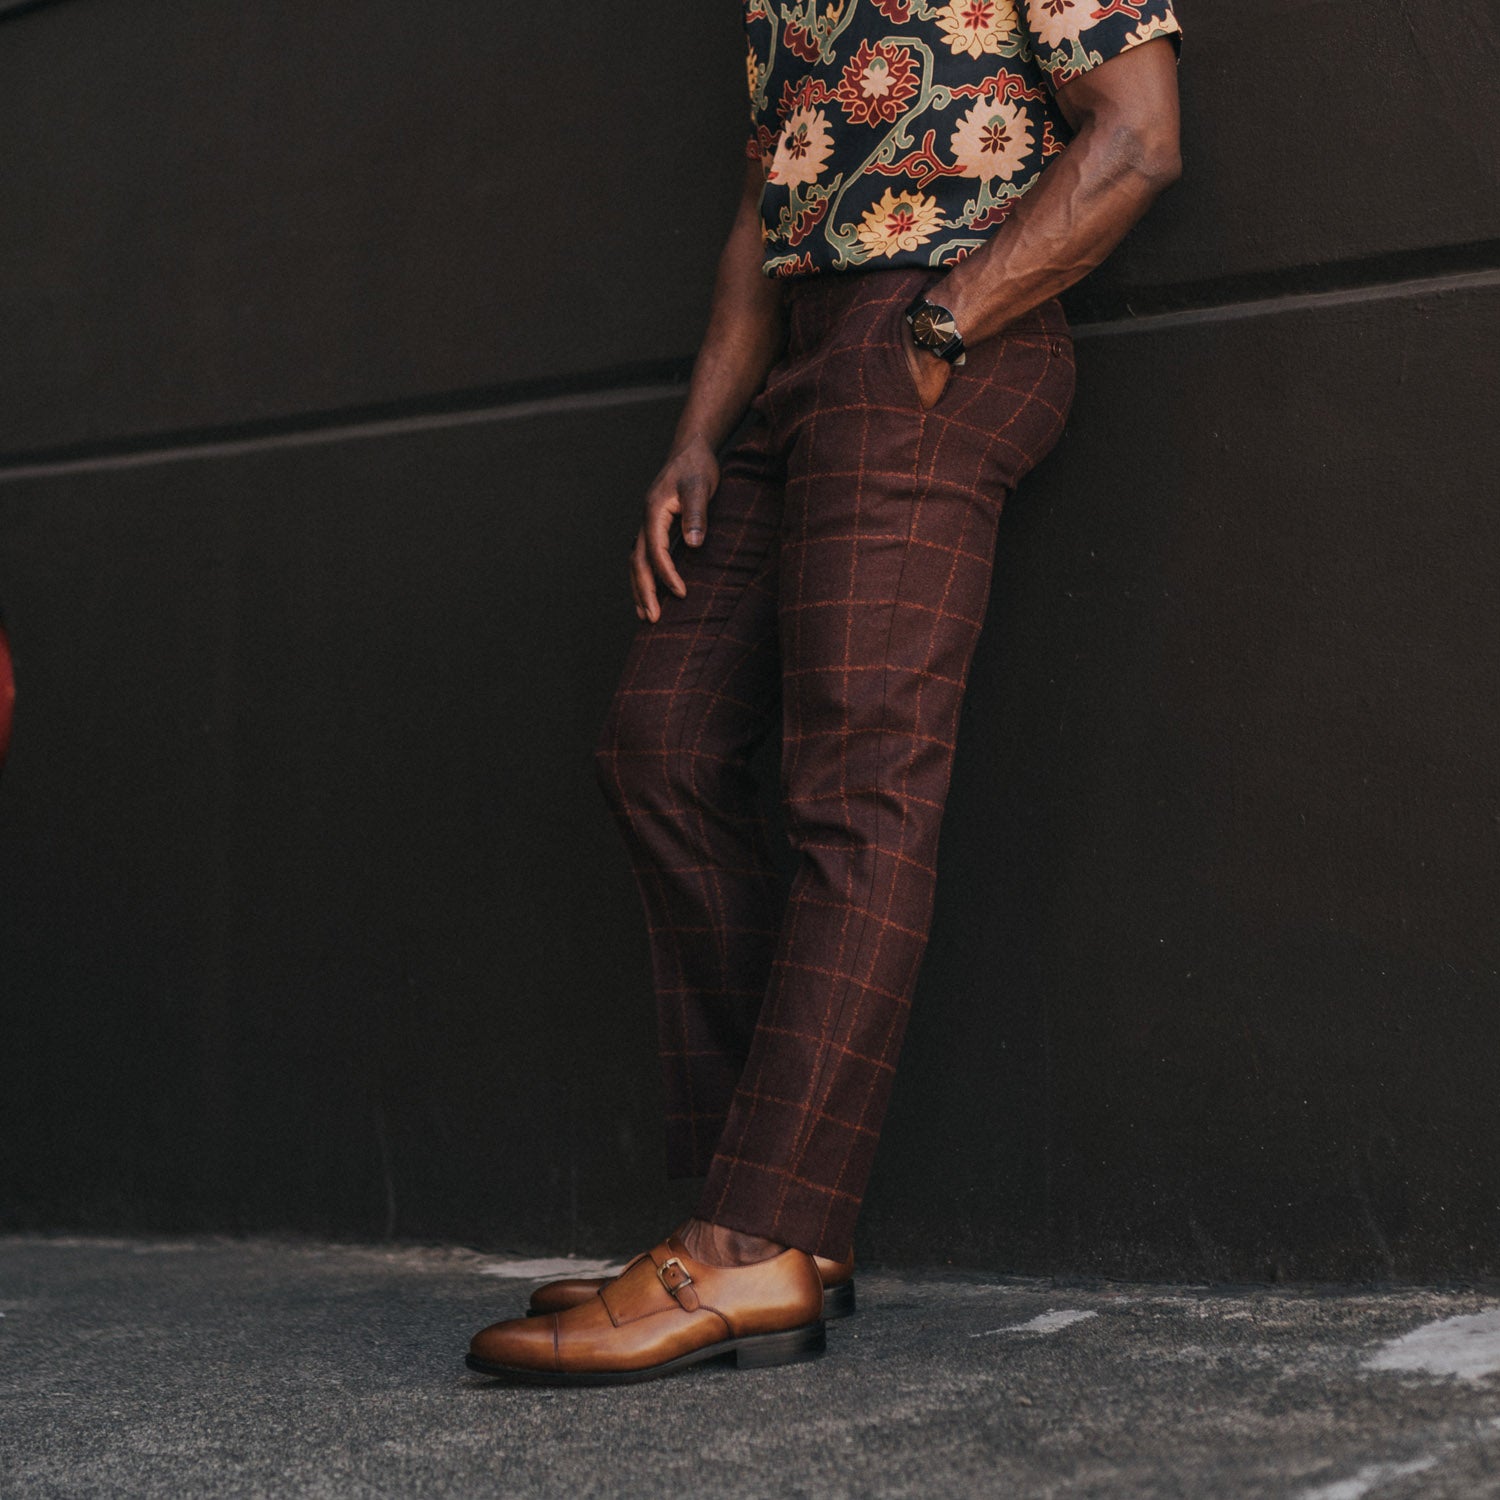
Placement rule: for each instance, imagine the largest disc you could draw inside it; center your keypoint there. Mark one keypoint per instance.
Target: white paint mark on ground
(1047, 1322)
(536, 1270)
(1371, 1477)
(110, 1242)
(1468, 1347)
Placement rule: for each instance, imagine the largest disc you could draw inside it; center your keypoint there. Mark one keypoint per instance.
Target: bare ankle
(715, 1245)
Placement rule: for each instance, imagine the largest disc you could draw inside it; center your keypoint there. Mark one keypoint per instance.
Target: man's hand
(682, 490)
(929, 373)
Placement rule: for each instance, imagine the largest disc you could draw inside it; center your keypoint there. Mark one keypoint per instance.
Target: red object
(7, 695)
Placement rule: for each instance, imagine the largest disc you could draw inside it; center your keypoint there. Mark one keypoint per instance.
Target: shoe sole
(838, 1302)
(761, 1351)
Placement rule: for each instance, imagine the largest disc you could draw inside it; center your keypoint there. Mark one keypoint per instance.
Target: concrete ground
(220, 1367)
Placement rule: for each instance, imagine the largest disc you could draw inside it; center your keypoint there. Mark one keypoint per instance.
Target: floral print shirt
(900, 132)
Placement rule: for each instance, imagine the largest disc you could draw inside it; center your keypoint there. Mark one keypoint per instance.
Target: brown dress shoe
(663, 1312)
(837, 1277)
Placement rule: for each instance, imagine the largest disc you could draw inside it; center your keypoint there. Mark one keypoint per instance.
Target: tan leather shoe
(665, 1311)
(837, 1277)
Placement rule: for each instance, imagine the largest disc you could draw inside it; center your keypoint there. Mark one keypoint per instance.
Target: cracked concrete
(248, 1368)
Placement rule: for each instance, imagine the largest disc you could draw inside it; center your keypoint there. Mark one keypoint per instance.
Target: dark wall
(338, 347)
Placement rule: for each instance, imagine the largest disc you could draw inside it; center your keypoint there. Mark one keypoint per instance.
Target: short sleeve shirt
(901, 132)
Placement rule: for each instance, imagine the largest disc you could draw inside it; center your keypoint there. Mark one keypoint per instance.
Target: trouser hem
(759, 1201)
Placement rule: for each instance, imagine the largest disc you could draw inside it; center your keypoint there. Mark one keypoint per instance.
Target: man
(923, 180)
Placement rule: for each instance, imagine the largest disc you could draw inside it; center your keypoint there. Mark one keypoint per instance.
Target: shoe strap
(675, 1277)
(661, 1280)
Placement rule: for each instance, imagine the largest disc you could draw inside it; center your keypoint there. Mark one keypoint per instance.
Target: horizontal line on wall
(1098, 300)
(185, 447)
(9, 8)
(643, 385)
(1265, 307)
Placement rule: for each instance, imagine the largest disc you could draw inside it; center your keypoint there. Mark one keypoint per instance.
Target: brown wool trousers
(838, 595)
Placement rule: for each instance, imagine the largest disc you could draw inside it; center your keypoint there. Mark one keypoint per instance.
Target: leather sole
(838, 1302)
(759, 1351)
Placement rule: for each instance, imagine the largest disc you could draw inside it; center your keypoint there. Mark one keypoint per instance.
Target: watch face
(932, 327)
(924, 327)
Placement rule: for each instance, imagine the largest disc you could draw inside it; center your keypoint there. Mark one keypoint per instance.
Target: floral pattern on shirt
(900, 132)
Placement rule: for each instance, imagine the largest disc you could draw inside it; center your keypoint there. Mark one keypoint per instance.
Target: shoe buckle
(673, 1275)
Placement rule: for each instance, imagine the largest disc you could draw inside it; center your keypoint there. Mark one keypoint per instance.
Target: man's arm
(745, 333)
(1124, 152)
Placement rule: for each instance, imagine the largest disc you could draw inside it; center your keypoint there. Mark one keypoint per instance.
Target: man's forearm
(745, 330)
(1080, 209)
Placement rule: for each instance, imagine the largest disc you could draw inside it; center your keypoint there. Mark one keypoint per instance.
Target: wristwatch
(933, 328)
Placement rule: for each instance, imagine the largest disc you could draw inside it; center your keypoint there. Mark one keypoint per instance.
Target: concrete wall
(336, 354)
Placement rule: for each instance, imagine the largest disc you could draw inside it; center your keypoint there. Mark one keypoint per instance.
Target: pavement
(209, 1367)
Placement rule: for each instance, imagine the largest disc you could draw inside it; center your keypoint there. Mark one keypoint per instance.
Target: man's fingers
(682, 490)
(658, 532)
(642, 584)
(693, 492)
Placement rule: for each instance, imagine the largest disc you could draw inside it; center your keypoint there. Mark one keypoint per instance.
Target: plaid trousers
(838, 595)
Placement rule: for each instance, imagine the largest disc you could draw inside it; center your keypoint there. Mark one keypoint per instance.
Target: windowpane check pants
(837, 598)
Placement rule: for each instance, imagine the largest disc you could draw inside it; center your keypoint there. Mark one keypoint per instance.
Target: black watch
(933, 328)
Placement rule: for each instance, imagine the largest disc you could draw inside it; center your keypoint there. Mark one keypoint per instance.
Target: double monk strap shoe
(837, 1277)
(664, 1312)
